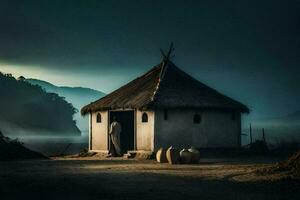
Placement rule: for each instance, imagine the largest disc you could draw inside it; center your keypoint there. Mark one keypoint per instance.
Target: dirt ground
(62, 178)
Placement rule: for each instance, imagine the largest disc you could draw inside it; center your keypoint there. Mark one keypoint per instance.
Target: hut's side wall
(216, 129)
(145, 131)
(98, 132)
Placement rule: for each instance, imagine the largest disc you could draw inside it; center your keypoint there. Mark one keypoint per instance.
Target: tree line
(29, 107)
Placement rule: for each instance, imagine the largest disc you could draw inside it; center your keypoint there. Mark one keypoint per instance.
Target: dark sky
(248, 50)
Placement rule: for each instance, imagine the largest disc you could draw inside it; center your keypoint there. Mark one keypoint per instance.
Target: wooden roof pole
(171, 49)
(166, 58)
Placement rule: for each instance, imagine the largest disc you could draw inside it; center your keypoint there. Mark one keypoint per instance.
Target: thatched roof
(164, 86)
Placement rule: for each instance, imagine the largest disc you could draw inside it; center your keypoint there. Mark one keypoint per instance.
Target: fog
(48, 143)
(54, 145)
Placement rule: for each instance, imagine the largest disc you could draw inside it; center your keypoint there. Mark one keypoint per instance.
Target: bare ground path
(133, 179)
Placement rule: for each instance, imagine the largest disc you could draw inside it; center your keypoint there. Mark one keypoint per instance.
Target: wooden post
(91, 131)
(168, 56)
(250, 134)
(263, 135)
(108, 129)
(135, 129)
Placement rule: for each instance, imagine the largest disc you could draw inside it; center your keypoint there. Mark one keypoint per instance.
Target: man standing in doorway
(114, 135)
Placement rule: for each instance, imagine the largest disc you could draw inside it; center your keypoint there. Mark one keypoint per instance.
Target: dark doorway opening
(126, 119)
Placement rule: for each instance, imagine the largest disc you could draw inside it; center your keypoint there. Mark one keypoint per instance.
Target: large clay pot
(173, 156)
(185, 156)
(161, 156)
(195, 155)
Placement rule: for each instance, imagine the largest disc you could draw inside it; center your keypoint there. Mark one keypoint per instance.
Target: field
(62, 178)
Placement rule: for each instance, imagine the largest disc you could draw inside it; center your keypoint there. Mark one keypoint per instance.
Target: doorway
(126, 119)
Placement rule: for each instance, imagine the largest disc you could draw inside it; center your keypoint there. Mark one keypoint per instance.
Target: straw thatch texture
(165, 86)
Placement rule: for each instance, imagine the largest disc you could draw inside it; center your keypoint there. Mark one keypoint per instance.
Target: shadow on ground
(119, 179)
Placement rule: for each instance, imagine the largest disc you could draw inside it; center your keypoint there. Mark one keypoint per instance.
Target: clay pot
(195, 155)
(185, 156)
(161, 156)
(173, 156)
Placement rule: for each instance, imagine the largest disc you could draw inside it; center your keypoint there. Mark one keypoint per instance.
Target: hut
(165, 107)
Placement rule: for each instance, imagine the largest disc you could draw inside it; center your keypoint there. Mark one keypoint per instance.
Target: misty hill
(27, 109)
(78, 96)
(14, 150)
(285, 128)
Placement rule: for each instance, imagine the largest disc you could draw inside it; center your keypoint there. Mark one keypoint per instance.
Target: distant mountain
(285, 128)
(78, 96)
(27, 109)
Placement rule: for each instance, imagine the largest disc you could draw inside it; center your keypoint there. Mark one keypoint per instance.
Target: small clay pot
(173, 156)
(161, 156)
(195, 155)
(185, 156)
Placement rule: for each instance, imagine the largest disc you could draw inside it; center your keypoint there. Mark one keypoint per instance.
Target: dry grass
(288, 169)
